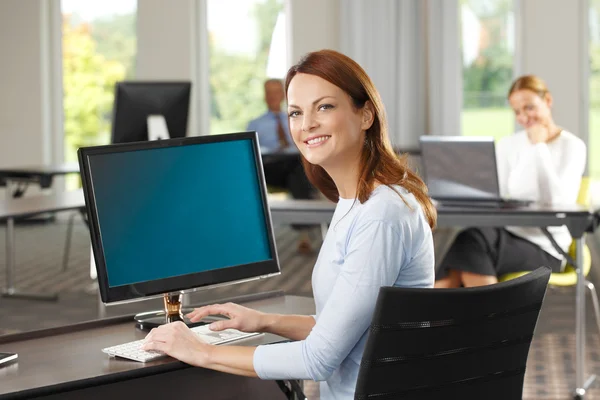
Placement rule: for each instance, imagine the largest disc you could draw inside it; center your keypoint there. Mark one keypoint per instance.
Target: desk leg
(10, 290)
(9, 192)
(10, 253)
(581, 386)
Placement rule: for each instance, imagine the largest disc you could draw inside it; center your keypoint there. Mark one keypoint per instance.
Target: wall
(554, 46)
(312, 25)
(22, 133)
(164, 46)
(167, 37)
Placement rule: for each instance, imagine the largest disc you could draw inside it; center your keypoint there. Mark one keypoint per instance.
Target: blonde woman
(543, 162)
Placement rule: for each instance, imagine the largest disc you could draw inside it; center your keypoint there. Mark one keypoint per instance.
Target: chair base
(580, 392)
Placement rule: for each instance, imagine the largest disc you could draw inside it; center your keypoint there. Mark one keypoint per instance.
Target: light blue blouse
(382, 242)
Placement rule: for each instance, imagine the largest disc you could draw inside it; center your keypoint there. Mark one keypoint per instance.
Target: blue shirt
(266, 127)
(382, 242)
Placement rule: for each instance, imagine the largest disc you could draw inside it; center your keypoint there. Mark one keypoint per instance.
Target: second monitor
(150, 111)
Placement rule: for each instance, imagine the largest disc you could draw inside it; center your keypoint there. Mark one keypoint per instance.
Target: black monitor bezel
(183, 283)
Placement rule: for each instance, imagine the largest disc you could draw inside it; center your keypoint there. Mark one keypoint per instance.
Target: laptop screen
(459, 167)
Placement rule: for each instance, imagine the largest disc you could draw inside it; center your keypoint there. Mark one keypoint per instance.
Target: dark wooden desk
(67, 363)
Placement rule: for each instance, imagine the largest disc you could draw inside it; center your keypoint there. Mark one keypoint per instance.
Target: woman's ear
(548, 98)
(368, 115)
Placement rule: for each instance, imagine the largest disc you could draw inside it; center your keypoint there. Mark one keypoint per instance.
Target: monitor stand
(171, 313)
(157, 127)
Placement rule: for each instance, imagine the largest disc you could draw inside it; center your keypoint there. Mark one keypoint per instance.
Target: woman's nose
(309, 122)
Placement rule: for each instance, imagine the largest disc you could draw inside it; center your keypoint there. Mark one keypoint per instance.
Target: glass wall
(242, 58)
(99, 49)
(487, 32)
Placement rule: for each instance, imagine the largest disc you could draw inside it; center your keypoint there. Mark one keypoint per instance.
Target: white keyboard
(133, 350)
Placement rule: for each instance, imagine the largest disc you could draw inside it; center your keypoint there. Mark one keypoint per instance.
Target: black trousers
(286, 172)
(494, 251)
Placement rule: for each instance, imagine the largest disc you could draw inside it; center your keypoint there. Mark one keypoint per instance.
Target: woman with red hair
(380, 235)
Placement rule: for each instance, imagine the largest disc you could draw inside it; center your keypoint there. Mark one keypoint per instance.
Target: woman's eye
(325, 106)
(293, 114)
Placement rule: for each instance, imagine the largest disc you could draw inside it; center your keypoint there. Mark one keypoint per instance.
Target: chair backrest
(467, 343)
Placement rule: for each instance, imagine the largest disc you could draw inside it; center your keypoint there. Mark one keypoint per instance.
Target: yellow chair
(568, 277)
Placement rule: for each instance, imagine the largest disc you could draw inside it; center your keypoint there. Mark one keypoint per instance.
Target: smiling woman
(345, 105)
(380, 236)
(329, 131)
(543, 163)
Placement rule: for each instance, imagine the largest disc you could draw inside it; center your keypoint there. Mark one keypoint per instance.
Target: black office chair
(467, 343)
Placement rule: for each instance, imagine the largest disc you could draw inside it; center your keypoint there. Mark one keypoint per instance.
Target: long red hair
(378, 161)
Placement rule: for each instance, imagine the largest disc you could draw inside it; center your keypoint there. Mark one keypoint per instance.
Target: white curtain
(410, 50)
(444, 103)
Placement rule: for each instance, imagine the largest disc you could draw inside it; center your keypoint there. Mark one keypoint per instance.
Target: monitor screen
(457, 167)
(138, 105)
(177, 214)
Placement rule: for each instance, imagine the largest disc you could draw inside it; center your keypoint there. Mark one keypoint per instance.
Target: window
(242, 58)
(487, 49)
(594, 94)
(99, 47)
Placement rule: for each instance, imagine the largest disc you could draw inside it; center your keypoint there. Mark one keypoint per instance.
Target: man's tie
(283, 140)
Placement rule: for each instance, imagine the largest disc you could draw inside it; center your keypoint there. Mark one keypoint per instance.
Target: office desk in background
(15, 208)
(44, 174)
(67, 362)
(270, 157)
(40, 174)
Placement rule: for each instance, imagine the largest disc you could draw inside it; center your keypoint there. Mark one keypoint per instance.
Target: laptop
(461, 171)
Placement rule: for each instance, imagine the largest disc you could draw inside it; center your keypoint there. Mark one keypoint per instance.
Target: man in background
(272, 126)
(281, 160)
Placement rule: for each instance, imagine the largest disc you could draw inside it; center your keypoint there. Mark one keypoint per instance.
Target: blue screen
(179, 210)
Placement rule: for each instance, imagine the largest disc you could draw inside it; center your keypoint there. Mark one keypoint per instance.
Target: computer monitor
(171, 216)
(150, 110)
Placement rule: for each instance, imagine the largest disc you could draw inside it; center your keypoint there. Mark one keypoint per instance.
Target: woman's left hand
(538, 133)
(178, 341)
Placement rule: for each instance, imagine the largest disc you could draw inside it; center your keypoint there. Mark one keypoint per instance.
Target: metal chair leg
(68, 241)
(595, 302)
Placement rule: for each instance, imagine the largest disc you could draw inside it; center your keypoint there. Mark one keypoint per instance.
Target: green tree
(116, 40)
(266, 16)
(236, 80)
(88, 84)
(487, 79)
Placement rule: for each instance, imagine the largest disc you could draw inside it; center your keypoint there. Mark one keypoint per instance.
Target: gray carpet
(550, 369)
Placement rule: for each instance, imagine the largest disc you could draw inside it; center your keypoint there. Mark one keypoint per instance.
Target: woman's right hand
(240, 318)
